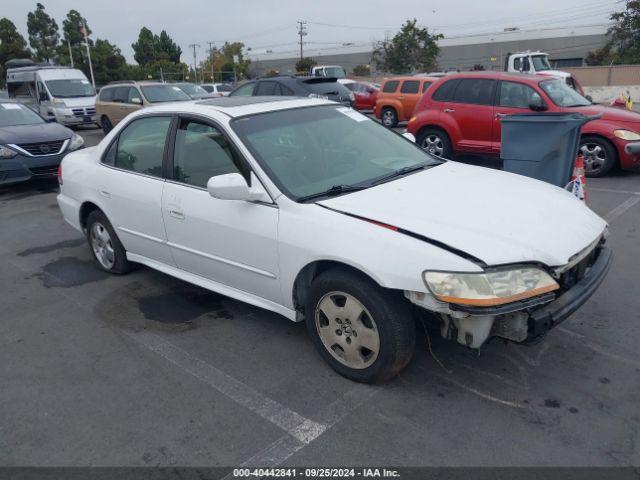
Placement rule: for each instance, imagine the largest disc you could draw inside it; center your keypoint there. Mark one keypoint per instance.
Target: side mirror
(136, 101)
(233, 186)
(409, 136)
(50, 119)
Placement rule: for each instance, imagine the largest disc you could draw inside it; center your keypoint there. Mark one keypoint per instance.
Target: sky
(271, 25)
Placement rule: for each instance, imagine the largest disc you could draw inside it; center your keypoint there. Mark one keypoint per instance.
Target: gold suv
(118, 99)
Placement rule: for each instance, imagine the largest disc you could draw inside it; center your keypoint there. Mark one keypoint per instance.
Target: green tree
(71, 35)
(108, 62)
(362, 71)
(305, 64)
(144, 50)
(12, 45)
(221, 61)
(166, 48)
(411, 49)
(623, 46)
(43, 33)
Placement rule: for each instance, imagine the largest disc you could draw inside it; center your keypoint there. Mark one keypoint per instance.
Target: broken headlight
(489, 288)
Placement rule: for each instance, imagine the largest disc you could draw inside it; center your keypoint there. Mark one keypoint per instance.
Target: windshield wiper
(401, 172)
(335, 190)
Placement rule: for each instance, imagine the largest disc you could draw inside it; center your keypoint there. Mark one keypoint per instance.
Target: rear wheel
(105, 123)
(436, 142)
(389, 117)
(364, 332)
(599, 156)
(106, 249)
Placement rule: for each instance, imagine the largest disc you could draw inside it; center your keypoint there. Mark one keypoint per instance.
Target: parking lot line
(613, 190)
(620, 209)
(299, 427)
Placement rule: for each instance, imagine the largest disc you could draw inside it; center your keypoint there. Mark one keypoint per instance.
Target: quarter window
(410, 86)
(426, 85)
(390, 87)
(445, 91)
(201, 152)
(476, 91)
(141, 146)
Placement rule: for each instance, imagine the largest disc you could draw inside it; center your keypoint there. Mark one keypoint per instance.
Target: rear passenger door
(471, 109)
(409, 96)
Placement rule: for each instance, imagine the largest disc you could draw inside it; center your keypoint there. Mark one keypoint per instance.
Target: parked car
(319, 213)
(318, 87)
(218, 89)
(116, 100)
(30, 146)
(398, 97)
(365, 94)
(195, 92)
(462, 112)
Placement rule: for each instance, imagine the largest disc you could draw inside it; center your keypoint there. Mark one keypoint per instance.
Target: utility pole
(211, 47)
(302, 32)
(83, 30)
(70, 54)
(195, 65)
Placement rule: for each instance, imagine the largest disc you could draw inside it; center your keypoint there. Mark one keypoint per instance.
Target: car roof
(411, 77)
(526, 77)
(239, 106)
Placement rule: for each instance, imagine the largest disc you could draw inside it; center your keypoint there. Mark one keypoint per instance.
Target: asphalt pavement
(144, 369)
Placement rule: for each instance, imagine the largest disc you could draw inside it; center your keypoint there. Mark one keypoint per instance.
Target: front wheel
(389, 117)
(599, 156)
(364, 332)
(436, 142)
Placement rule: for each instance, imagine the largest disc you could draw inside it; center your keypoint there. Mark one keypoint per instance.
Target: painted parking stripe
(612, 190)
(297, 426)
(620, 209)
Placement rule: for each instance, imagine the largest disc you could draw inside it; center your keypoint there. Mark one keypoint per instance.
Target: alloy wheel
(595, 157)
(433, 144)
(388, 118)
(102, 246)
(347, 330)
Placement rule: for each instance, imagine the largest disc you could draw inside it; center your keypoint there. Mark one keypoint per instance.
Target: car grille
(576, 273)
(42, 148)
(48, 170)
(81, 112)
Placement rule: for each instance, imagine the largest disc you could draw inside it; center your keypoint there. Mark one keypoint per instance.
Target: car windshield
(191, 89)
(70, 88)
(562, 94)
(308, 151)
(12, 114)
(540, 63)
(164, 93)
(337, 72)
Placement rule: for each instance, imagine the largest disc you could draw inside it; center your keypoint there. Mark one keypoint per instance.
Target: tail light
(60, 174)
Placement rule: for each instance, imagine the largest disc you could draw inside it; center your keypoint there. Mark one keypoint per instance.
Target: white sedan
(312, 210)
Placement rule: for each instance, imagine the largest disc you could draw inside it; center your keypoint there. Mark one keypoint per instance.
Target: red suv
(462, 112)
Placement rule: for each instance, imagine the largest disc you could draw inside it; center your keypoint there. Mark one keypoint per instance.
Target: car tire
(598, 154)
(106, 125)
(389, 117)
(386, 327)
(436, 142)
(106, 249)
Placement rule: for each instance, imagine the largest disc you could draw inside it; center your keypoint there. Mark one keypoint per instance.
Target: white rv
(57, 93)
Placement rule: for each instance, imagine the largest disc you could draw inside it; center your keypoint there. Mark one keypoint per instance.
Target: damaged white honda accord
(314, 211)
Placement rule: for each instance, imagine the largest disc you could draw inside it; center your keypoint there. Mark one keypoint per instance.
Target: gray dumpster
(543, 146)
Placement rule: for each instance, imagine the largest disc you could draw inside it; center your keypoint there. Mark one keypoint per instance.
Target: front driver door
(228, 241)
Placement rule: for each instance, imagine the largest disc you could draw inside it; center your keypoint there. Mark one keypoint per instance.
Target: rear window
(106, 94)
(410, 86)
(445, 91)
(390, 87)
(476, 91)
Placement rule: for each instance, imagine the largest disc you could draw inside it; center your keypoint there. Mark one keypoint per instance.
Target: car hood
(495, 216)
(41, 132)
(76, 102)
(554, 73)
(609, 114)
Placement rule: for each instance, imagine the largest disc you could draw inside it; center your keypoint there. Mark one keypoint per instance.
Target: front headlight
(627, 135)
(489, 288)
(6, 152)
(76, 142)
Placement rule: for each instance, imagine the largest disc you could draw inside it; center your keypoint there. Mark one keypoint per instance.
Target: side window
(121, 94)
(476, 91)
(517, 95)
(284, 90)
(391, 86)
(106, 94)
(42, 93)
(133, 93)
(445, 91)
(426, 85)
(410, 86)
(517, 63)
(245, 90)
(201, 152)
(141, 145)
(265, 88)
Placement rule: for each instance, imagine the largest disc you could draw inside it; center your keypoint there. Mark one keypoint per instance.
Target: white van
(57, 93)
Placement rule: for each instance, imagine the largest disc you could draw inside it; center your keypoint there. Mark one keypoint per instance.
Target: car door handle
(401, 97)
(448, 110)
(500, 115)
(176, 214)
(104, 193)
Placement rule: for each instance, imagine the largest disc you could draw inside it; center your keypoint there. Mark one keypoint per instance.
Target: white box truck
(58, 93)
